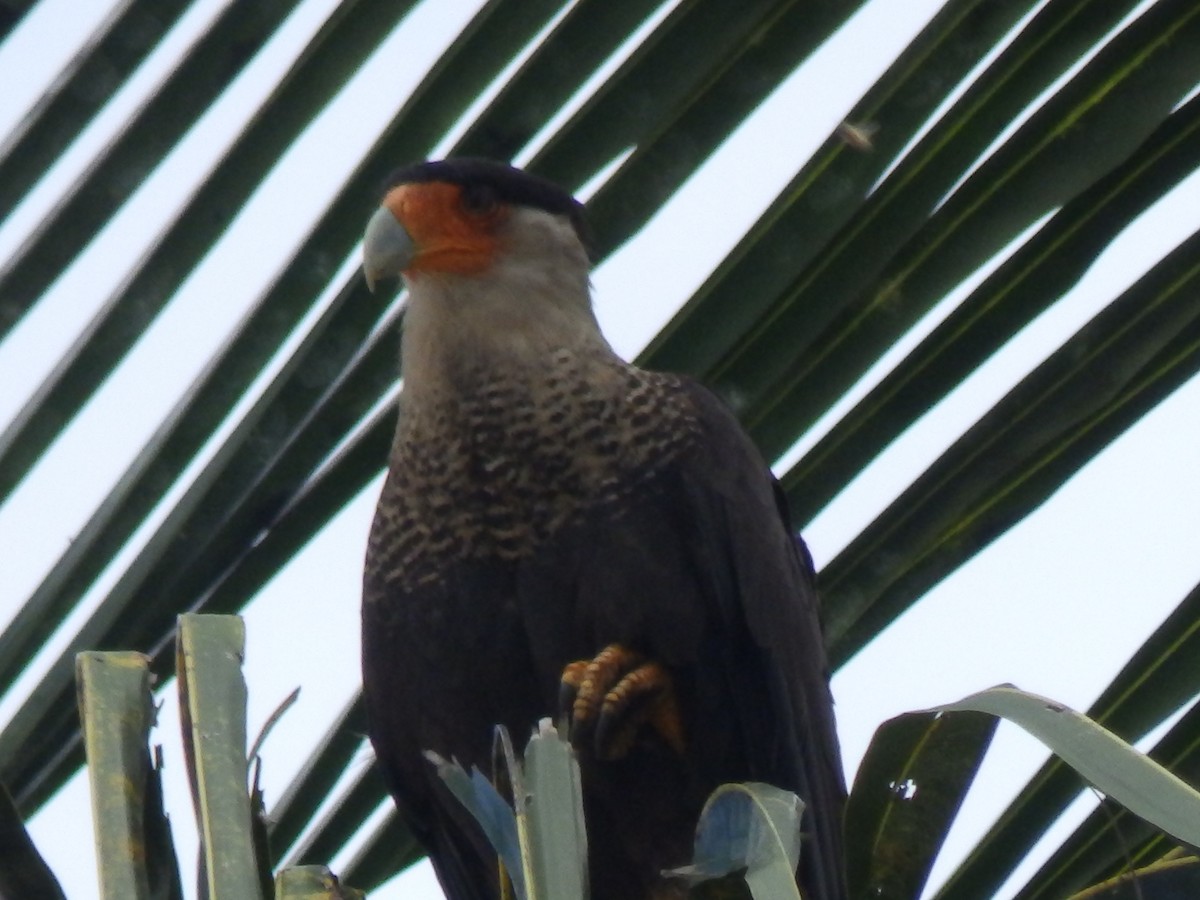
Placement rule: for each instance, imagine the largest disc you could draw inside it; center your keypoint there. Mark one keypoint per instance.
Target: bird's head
(496, 265)
(464, 217)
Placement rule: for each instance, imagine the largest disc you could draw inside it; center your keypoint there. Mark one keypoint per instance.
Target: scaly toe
(607, 701)
(644, 696)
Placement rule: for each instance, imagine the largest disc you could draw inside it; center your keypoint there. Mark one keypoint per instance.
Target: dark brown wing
(762, 575)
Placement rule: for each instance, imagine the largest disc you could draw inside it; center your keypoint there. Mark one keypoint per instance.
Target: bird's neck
(463, 335)
(517, 419)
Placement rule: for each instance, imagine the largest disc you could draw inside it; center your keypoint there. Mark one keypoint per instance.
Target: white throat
(533, 303)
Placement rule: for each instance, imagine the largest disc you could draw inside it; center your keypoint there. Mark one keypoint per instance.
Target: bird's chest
(500, 471)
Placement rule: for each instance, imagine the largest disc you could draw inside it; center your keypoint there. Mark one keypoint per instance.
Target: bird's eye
(478, 198)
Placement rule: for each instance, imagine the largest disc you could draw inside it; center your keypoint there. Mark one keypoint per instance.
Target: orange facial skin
(450, 236)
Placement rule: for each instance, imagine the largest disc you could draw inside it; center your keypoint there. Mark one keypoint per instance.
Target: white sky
(1114, 549)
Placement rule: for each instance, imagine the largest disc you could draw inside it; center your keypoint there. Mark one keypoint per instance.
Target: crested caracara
(563, 532)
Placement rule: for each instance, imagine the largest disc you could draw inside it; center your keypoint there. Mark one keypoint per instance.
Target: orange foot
(609, 698)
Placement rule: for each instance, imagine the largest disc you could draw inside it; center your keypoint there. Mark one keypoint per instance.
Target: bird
(561, 533)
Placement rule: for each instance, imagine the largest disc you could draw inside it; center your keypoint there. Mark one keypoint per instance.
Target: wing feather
(764, 571)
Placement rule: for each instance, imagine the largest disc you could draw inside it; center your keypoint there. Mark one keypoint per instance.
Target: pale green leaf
(1112, 766)
(212, 700)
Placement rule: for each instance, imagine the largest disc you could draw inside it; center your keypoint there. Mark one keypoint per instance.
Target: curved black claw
(608, 699)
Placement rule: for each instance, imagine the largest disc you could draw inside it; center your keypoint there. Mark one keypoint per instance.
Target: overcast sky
(1056, 605)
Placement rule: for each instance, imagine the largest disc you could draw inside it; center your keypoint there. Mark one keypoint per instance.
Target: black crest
(486, 177)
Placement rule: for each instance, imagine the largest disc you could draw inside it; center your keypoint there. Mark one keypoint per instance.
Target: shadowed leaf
(908, 789)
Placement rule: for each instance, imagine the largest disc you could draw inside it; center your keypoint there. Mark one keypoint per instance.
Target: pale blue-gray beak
(387, 248)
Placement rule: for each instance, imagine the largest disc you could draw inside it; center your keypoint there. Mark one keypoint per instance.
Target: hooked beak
(387, 248)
